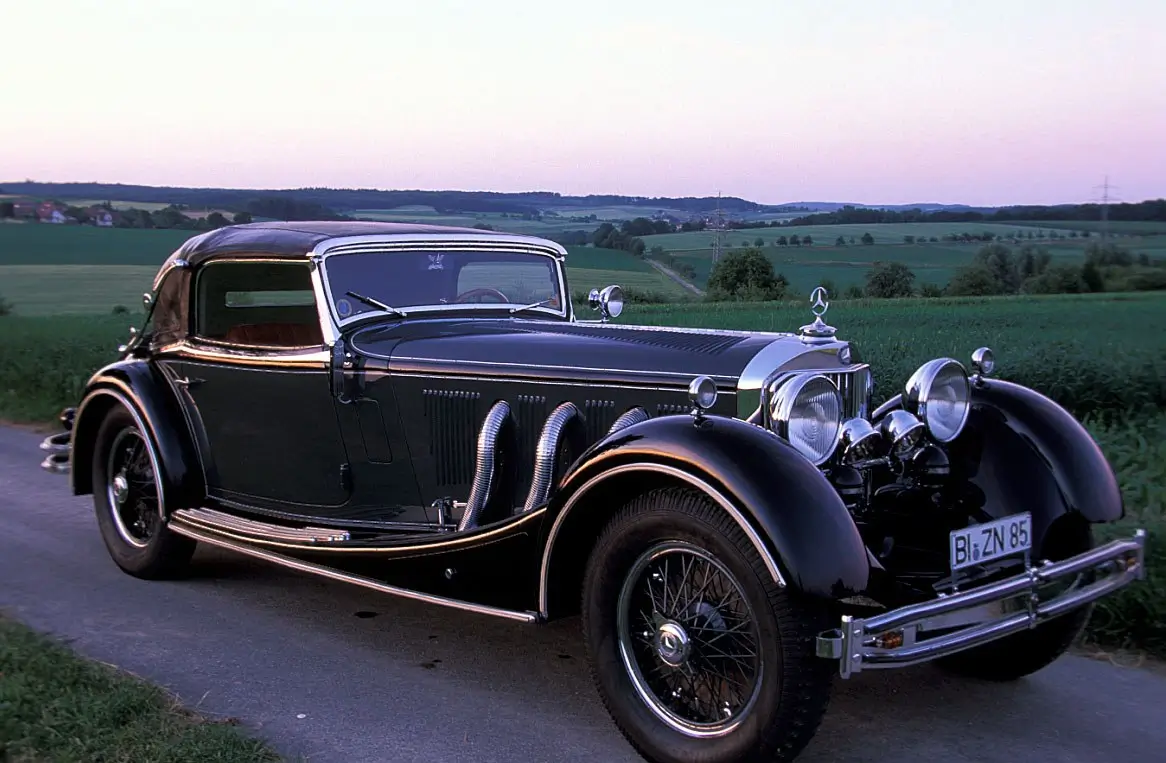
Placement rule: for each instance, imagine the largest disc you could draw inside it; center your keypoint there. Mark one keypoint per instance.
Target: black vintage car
(419, 410)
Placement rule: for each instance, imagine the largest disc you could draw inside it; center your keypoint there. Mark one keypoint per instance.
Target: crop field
(936, 263)
(66, 270)
(1120, 227)
(1114, 382)
(511, 224)
(888, 233)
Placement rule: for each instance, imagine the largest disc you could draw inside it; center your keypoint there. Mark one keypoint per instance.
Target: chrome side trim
(544, 459)
(860, 644)
(627, 418)
(697, 482)
(484, 474)
(344, 577)
(217, 520)
(204, 350)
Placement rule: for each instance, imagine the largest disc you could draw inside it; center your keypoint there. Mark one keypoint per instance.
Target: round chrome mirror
(702, 393)
(984, 361)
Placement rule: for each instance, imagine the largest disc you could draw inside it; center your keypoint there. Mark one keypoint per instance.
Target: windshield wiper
(514, 310)
(374, 303)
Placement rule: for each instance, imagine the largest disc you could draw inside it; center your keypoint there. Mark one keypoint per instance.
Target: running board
(219, 521)
(345, 577)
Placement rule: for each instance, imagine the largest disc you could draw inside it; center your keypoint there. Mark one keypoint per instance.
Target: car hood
(525, 348)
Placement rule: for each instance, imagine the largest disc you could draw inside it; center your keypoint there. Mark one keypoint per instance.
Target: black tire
(790, 698)
(124, 461)
(1024, 653)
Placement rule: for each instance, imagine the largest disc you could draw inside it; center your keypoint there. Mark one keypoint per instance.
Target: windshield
(402, 281)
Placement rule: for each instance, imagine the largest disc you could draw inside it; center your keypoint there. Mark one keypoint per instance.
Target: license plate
(992, 540)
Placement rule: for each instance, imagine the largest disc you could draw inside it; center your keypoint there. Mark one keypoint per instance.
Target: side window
(262, 304)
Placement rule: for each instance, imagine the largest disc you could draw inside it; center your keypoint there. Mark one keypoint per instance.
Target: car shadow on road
(912, 713)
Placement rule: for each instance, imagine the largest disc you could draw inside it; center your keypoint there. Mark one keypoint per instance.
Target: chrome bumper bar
(897, 639)
(58, 447)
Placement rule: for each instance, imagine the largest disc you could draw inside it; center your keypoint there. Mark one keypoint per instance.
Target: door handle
(186, 382)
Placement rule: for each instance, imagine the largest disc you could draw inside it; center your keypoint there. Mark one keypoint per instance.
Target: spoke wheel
(132, 488)
(698, 654)
(689, 639)
(129, 500)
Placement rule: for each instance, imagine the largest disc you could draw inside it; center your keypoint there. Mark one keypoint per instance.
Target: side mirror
(609, 301)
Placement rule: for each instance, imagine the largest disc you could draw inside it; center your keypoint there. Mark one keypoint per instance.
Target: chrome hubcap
(672, 644)
(121, 488)
(689, 640)
(132, 489)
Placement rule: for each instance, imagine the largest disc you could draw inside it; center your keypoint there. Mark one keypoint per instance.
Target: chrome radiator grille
(855, 386)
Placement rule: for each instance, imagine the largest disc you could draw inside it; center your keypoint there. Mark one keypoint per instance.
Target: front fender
(1027, 453)
(791, 508)
(141, 388)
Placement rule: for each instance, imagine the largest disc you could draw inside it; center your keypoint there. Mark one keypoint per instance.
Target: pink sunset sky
(890, 102)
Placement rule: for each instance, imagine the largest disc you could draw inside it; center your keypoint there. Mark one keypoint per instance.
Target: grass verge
(55, 705)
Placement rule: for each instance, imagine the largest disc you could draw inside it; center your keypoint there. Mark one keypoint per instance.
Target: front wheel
(127, 498)
(697, 653)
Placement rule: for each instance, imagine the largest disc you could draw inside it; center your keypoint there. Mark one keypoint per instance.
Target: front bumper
(960, 621)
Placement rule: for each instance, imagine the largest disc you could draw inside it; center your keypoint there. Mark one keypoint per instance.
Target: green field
(1078, 349)
(510, 224)
(62, 270)
(934, 263)
(1119, 227)
(888, 233)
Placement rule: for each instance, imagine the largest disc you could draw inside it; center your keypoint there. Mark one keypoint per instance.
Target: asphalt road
(335, 673)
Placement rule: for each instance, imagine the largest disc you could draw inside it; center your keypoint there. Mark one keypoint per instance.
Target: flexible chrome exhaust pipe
(548, 448)
(627, 418)
(484, 474)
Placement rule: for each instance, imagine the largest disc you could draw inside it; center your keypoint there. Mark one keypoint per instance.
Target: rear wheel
(697, 653)
(128, 501)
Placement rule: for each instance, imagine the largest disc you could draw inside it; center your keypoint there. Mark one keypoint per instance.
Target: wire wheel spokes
(689, 639)
(132, 488)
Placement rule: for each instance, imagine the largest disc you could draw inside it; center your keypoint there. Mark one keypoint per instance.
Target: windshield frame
(436, 243)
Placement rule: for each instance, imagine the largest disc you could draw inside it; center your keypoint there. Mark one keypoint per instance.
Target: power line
(718, 224)
(1105, 200)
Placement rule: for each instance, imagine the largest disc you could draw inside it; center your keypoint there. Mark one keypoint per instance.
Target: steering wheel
(484, 291)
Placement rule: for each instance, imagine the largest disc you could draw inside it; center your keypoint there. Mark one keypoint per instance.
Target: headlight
(807, 412)
(939, 394)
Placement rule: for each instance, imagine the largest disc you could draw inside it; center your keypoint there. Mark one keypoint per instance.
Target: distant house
(51, 212)
(100, 216)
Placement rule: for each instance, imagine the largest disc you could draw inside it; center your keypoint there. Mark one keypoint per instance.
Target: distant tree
(852, 239)
(5, 306)
(241, 218)
(807, 241)
(746, 274)
(1091, 277)
(1072, 234)
(1058, 279)
(828, 285)
(759, 241)
(216, 220)
(782, 241)
(973, 281)
(7, 209)
(794, 240)
(1085, 234)
(840, 241)
(483, 226)
(889, 279)
(867, 238)
(908, 239)
(930, 291)
(854, 291)
(1144, 260)
(934, 240)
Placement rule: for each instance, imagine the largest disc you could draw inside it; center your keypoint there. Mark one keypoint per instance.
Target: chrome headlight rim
(918, 393)
(784, 398)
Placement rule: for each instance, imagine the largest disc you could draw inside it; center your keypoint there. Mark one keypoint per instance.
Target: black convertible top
(296, 239)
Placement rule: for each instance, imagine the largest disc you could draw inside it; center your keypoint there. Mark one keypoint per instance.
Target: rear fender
(136, 385)
(789, 510)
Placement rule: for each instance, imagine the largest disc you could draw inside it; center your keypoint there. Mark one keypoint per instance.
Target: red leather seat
(276, 334)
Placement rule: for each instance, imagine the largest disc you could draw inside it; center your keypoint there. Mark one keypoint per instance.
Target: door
(255, 384)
